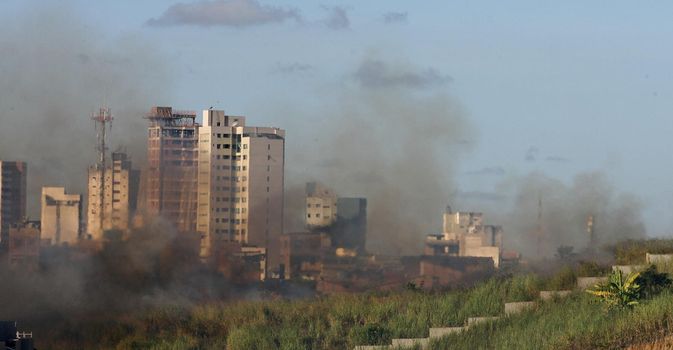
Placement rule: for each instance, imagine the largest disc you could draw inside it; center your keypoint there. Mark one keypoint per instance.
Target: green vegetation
(619, 291)
(632, 252)
(579, 321)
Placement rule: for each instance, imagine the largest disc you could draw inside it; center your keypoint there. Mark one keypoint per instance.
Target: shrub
(653, 282)
(619, 291)
(370, 334)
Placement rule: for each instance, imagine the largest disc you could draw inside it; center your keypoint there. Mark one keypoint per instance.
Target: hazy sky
(556, 86)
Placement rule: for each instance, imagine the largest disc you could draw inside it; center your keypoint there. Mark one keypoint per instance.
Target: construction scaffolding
(171, 179)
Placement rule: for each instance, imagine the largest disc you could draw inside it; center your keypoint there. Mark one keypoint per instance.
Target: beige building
(321, 206)
(12, 196)
(119, 196)
(240, 184)
(61, 216)
(466, 235)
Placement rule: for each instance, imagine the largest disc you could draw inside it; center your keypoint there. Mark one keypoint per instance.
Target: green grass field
(341, 322)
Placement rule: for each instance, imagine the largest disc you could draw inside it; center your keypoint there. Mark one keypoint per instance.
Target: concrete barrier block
(658, 258)
(476, 320)
(411, 342)
(589, 282)
(629, 269)
(551, 294)
(440, 332)
(516, 307)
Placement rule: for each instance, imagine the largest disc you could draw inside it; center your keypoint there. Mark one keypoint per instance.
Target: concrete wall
(516, 307)
(551, 294)
(628, 269)
(658, 258)
(589, 282)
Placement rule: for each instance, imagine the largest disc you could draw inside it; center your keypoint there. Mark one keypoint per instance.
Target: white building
(61, 215)
(240, 184)
(321, 205)
(119, 196)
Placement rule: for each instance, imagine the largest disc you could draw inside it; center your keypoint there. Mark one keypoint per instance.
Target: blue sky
(582, 85)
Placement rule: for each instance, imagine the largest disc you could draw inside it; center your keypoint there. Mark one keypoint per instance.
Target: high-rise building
(119, 196)
(12, 196)
(170, 179)
(240, 184)
(61, 215)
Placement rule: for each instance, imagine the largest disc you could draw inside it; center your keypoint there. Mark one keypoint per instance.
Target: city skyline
(532, 117)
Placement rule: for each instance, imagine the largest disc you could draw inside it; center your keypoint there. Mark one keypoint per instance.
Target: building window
(245, 146)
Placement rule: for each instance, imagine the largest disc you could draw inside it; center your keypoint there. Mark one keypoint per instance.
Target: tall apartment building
(240, 184)
(12, 196)
(170, 179)
(61, 215)
(120, 190)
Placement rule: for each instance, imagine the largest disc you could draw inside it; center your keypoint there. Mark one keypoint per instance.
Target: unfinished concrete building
(466, 235)
(302, 254)
(12, 196)
(24, 246)
(61, 216)
(240, 184)
(170, 184)
(120, 189)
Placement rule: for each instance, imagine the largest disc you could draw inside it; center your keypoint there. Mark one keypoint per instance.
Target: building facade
(466, 235)
(170, 183)
(61, 216)
(321, 206)
(240, 184)
(120, 189)
(12, 196)
(24, 246)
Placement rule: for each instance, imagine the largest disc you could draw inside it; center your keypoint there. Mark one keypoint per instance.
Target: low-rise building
(466, 235)
(24, 246)
(302, 254)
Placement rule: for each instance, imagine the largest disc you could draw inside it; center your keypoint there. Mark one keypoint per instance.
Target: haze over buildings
(13, 177)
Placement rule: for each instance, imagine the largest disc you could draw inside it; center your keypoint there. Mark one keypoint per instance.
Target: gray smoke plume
(395, 144)
(565, 210)
(56, 70)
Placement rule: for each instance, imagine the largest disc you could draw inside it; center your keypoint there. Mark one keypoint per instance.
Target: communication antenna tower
(103, 121)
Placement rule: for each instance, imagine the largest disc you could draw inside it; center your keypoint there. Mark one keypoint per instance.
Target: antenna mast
(538, 231)
(102, 119)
